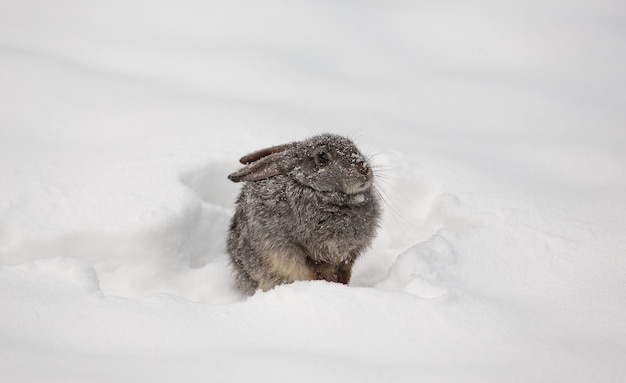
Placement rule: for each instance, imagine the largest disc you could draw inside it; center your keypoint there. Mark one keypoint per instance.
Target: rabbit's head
(327, 163)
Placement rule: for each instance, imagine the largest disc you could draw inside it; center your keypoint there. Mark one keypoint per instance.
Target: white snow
(498, 131)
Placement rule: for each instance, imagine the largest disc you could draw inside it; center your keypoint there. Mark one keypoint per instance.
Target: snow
(497, 135)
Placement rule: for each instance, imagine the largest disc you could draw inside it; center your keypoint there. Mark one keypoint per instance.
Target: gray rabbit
(307, 210)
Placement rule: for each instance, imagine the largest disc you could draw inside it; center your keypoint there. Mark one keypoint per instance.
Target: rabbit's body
(298, 224)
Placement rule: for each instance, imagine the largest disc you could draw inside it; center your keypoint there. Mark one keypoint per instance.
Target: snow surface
(498, 131)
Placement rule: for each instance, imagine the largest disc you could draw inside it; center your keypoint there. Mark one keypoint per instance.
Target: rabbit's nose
(367, 172)
(364, 169)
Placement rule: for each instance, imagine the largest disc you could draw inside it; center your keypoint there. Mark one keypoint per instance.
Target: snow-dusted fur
(307, 211)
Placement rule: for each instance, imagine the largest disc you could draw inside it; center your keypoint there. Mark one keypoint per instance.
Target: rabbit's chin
(358, 198)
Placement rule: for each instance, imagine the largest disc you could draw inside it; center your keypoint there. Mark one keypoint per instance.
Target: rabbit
(307, 210)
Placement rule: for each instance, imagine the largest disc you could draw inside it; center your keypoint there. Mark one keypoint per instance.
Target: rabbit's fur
(307, 210)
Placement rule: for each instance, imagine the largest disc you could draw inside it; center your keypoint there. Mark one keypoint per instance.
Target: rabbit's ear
(263, 164)
(255, 156)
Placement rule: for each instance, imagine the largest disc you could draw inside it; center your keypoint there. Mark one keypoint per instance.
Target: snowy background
(498, 131)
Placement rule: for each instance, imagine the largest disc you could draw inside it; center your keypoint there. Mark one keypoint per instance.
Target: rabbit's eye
(323, 158)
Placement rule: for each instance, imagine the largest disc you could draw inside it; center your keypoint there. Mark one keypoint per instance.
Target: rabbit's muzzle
(360, 182)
